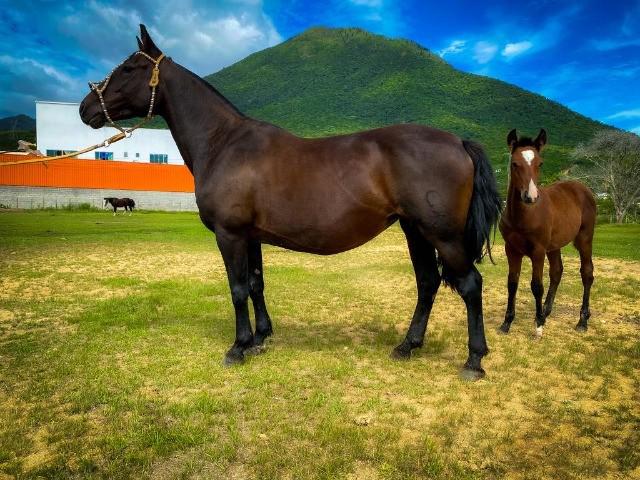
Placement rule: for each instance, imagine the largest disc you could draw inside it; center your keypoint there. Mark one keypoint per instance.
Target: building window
(126, 154)
(55, 153)
(104, 155)
(158, 158)
(137, 155)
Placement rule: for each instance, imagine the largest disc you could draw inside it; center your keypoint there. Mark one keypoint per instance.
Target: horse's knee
(239, 295)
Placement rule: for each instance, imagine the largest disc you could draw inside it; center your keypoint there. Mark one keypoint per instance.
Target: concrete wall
(43, 197)
(58, 127)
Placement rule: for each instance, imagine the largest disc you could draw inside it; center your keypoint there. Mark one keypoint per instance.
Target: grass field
(112, 332)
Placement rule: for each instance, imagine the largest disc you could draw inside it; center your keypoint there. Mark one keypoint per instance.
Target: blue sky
(585, 55)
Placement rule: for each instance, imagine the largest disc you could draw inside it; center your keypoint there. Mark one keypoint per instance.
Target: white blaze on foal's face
(528, 156)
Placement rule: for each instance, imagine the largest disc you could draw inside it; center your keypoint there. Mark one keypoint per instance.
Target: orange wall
(105, 174)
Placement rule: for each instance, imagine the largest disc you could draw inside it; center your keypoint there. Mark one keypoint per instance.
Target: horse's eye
(127, 69)
(514, 164)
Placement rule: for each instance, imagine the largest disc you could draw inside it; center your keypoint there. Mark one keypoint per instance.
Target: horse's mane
(524, 142)
(212, 89)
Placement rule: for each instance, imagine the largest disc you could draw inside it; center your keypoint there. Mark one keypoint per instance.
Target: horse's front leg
(234, 250)
(537, 288)
(515, 265)
(256, 292)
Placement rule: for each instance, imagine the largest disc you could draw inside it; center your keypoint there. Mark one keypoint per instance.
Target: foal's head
(525, 163)
(126, 91)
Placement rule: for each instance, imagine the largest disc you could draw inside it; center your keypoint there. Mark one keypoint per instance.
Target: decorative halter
(100, 87)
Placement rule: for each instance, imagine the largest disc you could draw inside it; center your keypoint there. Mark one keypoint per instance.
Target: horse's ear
(140, 45)
(541, 140)
(148, 46)
(512, 138)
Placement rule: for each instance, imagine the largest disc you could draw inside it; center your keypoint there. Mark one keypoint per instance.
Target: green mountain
(18, 122)
(18, 127)
(331, 81)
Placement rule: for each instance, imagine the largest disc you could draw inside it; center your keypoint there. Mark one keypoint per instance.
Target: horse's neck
(200, 119)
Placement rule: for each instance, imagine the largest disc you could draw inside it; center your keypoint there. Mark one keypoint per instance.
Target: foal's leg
(423, 257)
(234, 250)
(583, 243)
(555, 274)
(515, 265)
(537, 288)
(256, 291)
(465, 278)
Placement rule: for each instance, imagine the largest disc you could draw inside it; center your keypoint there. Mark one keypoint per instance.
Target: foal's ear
(512, 138)
(541, 140)
(148, 46)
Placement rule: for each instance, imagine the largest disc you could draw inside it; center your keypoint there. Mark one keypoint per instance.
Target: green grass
(112, 331)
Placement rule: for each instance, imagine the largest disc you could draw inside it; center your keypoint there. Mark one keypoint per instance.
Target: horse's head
(525, 163)
(129, 90)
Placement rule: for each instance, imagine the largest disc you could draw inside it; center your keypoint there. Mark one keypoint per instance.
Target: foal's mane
(523, 142)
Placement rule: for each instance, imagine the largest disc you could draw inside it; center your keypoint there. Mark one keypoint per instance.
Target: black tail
(485, 207)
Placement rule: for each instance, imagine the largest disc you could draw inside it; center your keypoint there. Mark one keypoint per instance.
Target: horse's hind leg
(583, 243)
(555, 274)
(423, 257)
(464, 277)
(256, 291)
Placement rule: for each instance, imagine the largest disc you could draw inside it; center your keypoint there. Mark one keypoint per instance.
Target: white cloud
(202, 38)
(511, 50)
(633, 113)
(636, 130)
(484, 52)
(454, 47)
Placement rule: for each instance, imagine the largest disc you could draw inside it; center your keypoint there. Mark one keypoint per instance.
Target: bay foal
(539, 221)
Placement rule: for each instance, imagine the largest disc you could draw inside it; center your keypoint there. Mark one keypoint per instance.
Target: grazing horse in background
(256, 183)
(116, 203)
(539, 221)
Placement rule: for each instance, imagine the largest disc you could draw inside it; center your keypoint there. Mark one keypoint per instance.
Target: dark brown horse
(126, 203)
(540, 221)
(256, 183)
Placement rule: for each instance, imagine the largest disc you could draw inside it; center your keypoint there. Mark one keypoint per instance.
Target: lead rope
(99, 88)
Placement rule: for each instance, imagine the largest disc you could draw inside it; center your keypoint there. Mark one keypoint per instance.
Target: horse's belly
(324, 238)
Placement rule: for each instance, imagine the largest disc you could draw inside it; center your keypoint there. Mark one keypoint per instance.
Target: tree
(610, 163)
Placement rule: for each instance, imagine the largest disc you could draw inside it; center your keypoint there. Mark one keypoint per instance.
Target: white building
(59, 129)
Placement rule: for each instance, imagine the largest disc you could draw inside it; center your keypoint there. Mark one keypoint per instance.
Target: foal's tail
(485, 207)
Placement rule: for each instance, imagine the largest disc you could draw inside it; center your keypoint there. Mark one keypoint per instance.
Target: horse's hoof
(581, 328)
(472, 374)
(504, 329)
(233, 357)
(537, 335)
(255, 350)
(400, 354)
